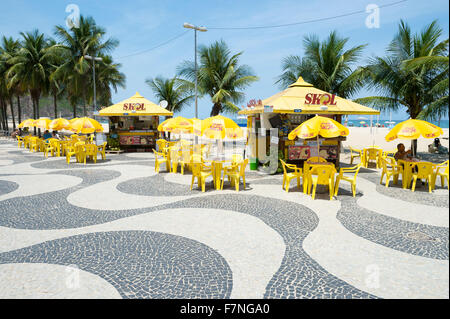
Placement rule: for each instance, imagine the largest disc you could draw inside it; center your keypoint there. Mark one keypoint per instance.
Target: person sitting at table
(436, 146)
(47, 135)
(56, 135)
(401, 154)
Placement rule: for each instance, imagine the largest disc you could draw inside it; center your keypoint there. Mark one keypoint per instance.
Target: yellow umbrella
(85, 125)
(176, 125)
(26, 123)
(59, 124)
(218, 127)
(413, 129)
(316, 126)
(42, 123)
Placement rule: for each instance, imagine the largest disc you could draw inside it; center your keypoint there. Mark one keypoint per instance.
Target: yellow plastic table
(408, 165)
(217, 168)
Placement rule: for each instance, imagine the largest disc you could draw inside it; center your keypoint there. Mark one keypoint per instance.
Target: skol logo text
(320, 99)
(133, 107)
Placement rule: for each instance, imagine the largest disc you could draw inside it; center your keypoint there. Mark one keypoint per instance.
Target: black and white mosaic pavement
(139, 264)
(421, 194)
(149, 264)
(413, 238)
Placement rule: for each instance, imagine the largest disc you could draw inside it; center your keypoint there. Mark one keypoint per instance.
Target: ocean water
(356, 123)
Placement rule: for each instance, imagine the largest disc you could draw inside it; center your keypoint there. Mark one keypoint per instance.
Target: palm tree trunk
(414, 147)
(55, 106)
(216, 109)
(5, 116)
(37, 113)
(33, 102)
(19, 109)
(2, 114)
(74, 110)
(12, 112)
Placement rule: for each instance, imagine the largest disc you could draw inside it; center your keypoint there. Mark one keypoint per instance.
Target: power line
(303, 22)
(261, 27)
(155, 47)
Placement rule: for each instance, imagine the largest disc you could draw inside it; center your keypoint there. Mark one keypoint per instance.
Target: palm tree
(326, 65)
(413, 75)
(220, 76)
(174, 91)
(439, 108)
(31, 66)
(108, 76)
(8, 50)
(56, 85)
(86, 39)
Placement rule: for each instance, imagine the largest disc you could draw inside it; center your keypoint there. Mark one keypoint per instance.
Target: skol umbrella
(85, 125)
(316, 126)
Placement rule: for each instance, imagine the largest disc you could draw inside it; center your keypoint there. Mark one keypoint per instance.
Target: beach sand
(361, 137)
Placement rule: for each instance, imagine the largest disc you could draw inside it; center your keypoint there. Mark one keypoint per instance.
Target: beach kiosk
(135, 122)
(288, 109)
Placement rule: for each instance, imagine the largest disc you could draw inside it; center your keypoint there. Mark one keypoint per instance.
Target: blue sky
(140, 25)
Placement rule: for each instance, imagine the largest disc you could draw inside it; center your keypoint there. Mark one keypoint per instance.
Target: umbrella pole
(318, 148)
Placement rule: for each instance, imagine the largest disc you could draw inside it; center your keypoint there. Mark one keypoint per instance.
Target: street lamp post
(93, 59)
(201, 29)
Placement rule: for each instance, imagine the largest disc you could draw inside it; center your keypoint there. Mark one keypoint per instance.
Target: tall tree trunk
(19, 109)
(74, 110)
(2, 114)
(5, 116)
(217, 108)
(37, 114)
(33, 101)
(55, 106)
(12, 112)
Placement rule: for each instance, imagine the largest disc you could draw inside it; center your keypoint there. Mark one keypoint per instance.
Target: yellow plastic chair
(350, 179)
(19, 141)
(34, 144)
(90, 151)
(201, 172)
(372, 154)
(50, 147)
(91, 138)
(443, 175)
(102, 150)
(306, 168)
(26, 141)
(236, 158)
(175, 155)
(424, 171)
(235, 173)
(316, 159)
(288, 176)
(386, 154)
(159, 159)
(161, 144)
(321, 175)
(76, 150)
(185, 158)
(355, 153)
(390, 169)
